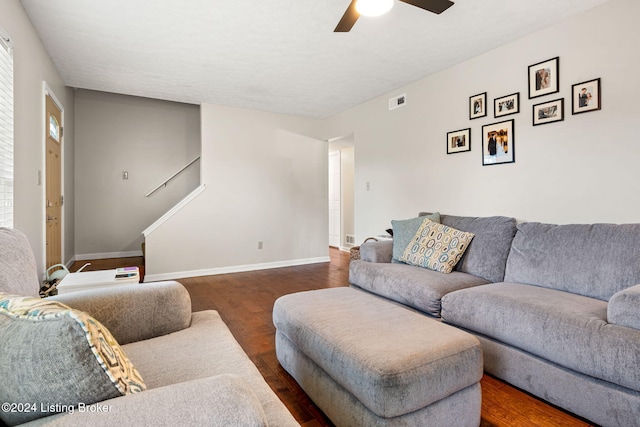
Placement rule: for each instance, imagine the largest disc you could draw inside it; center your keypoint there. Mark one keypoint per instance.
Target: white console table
(84, 280)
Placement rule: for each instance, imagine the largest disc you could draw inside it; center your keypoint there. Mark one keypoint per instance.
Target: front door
(53, 183)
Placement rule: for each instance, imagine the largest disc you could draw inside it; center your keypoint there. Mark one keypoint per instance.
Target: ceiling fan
(374, 8)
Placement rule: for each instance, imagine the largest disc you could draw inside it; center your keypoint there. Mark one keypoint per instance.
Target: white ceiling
(272, 55)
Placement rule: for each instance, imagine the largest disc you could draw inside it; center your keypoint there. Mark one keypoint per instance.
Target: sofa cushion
(413, 286)
(594, 260)
(404, 230)
(222, 400)
(567, 329)
(54, 354)
(487, 253)
(18, 271)
(436, 246)
(207, 348)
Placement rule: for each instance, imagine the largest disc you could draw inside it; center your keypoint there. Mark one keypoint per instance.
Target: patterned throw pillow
(405, 229)
(57, 358)
(436, 247)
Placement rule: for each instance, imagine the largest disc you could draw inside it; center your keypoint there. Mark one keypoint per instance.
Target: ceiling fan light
(373, 7)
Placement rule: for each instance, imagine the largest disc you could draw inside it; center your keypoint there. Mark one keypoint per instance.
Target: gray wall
(32, 67)
(150, 139)
(583, 169)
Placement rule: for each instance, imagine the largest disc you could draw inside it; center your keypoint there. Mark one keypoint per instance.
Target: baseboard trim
(233, 269)
(70, 262)
(105, 255)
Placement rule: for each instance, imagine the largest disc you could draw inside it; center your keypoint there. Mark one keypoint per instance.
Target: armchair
(194, 370)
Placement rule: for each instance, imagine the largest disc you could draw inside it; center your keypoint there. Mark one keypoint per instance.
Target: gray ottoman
(366, 361)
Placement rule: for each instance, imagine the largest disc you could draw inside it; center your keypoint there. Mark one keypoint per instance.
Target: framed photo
(498, 143)
(459, 141)
(478, 106)
(544, 78)
(585, 96)
(506, 105)
(548, 112)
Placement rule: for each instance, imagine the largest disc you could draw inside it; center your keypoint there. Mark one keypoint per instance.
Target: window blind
(6, 132)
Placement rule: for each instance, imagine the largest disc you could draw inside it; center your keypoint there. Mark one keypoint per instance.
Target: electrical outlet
(260, 244)
(125, 175)
(368, 186)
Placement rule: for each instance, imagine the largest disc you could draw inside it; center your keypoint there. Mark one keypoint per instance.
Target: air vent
(398, 101)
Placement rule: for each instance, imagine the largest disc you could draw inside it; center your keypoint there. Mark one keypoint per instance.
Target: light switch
(125, 175)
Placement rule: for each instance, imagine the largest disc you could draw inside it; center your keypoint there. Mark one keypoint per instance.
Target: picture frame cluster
(498, 139)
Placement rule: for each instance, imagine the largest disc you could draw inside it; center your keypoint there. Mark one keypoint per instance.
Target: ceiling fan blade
(435, 6)
(349, 18)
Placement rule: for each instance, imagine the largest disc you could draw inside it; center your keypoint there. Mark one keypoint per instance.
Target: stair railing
(166, 181)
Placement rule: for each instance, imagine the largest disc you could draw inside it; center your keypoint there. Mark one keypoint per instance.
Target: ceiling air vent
(398, 101)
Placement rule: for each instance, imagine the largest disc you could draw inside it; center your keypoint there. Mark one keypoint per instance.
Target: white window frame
(6, 130)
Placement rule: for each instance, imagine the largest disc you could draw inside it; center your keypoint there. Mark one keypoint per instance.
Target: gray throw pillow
(404, 230)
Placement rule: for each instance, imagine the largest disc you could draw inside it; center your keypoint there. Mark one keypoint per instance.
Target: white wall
(584, 169)
(266, 180)
(32, 66)
(150, 139)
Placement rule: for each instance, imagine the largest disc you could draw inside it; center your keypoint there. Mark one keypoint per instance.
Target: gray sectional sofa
(556, 307)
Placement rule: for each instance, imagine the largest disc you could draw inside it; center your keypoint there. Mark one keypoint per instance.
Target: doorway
(334, 199)
(53, 180)
(341, 192)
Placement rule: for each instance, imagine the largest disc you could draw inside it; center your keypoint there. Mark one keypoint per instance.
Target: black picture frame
(459, 141)
(548, 112)
(544, 78)
(586, 96)
(506, 105)
(478, 106)
(498, 143)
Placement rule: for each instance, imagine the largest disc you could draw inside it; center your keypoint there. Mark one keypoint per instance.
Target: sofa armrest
(624, 308)
(380, 251)
(222, 400)
(135, 312)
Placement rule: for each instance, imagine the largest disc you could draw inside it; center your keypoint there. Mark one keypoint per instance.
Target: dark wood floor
(245, 302)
